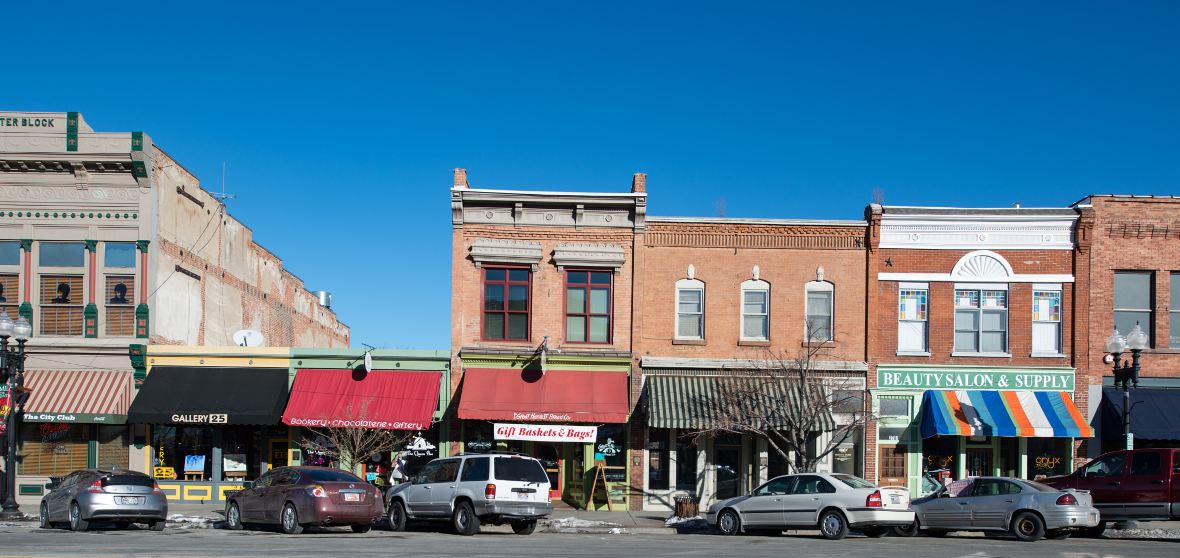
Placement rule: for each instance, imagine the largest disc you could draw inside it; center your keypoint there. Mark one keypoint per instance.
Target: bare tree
(351, 437)
(787, 401)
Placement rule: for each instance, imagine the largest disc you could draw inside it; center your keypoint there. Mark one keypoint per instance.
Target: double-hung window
(119, 267)
(1132, 303)
(912, 317)
(63, 295)
(690, 309)
(820, 298)
(1174, 305)
(981, 320)
(1046, 320)
(506, 303)
(755, 310)
(587, 306)
(9, 277)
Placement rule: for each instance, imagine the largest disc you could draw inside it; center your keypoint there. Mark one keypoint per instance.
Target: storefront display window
(611, 447)
(658, 460)
(686, 464)
(186, 450)
(846, 458)
(478, 437)
(940, 457)
(52, 449)
(414, 460)
(727, 461)
(1048, 457)
(239, 453)
(112, 446)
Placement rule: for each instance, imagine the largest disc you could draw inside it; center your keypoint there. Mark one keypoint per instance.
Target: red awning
(388, 399)
(555, 396)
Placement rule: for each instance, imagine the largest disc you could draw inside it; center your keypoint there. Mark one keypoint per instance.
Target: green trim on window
(91, 245)
(142, 245)
(26, 244)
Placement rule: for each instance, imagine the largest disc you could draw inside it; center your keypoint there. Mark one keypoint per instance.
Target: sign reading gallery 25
(968, 377)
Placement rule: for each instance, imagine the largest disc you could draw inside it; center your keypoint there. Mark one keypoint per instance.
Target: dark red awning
(388, 399)
(555, 396)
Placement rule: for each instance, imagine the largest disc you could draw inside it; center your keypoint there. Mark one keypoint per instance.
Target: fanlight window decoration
(982, 265)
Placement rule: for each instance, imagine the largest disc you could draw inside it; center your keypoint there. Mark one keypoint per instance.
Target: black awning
(210, 395)
(1153, 413)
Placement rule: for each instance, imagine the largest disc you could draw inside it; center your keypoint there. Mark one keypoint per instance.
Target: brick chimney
(461, 178)
(639, 183)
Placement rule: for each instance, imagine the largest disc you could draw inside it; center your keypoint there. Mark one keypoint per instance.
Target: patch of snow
(688, 525)
(11, 524)
(181, 521)
(577, 523)
(1142, 534)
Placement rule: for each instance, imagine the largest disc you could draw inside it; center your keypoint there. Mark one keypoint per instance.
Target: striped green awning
(701, 402)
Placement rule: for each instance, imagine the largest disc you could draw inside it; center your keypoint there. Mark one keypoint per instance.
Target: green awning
(700, 402)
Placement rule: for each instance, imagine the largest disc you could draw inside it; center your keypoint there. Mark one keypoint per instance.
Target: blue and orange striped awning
(1033, 414)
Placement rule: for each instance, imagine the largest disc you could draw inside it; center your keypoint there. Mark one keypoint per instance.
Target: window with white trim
(690, 309)
(755, 310)
(981, 320)
(1133, 302)
(912, 317)
(1046, 320)
(820, 309)
(1174, 305)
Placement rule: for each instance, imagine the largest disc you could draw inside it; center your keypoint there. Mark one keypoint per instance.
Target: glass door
(727, 466)
(549, 454)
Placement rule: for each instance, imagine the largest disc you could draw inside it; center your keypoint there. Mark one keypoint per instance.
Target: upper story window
(912, 318)
(9, 253)
(820, 309)
(62, 254)
(1046, 320)
(588, 306)
(506, 303)
(119, 254)
(690, 309)
(9, 277)
(981, 319)
(755, 310)
(1133, 303)
(62, 300)
(1174, 305)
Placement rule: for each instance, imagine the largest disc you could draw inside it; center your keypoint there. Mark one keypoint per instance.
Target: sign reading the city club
(1016, 379)
(546, 433)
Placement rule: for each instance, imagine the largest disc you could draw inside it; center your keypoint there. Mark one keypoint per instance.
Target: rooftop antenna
(223, 196)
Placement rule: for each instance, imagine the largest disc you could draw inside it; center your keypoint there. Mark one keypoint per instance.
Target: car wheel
(907, 531)
(76, 521)
(464, 519)
(729, 523)
(1028, 527)
(875, 532)
(1094, 532)
(397, 516)
(832, 525)
(233, 517)
(363, 528)
(157, 525)
(524, 527)
(289, 520)
(44, 516)
(1058, 535)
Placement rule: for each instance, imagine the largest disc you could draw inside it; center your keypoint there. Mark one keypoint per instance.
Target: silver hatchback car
(93, 495)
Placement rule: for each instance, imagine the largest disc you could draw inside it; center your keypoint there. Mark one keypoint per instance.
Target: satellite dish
(368, 361)
(249, 338)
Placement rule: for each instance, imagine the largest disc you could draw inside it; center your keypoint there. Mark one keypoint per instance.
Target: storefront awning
(1154, 413)
(384, 399)
(553, 396)
(210, 395)
(1032, 414)
(701, 402)
(84, 396)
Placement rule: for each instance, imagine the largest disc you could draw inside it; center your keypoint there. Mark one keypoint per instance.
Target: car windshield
(517, 469)
(329, 475)
(854, 482)
(1039, 486)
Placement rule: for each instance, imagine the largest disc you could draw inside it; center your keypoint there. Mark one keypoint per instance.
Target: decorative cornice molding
(499, 250)
(1010, 234)
(743, 364)
(1016, 278)
(570, 254)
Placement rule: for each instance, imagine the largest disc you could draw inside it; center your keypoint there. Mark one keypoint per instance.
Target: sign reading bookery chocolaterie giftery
(546, 432)
(966, 377)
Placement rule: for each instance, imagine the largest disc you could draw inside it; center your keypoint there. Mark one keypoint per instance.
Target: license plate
(352, 497)
(895, 499)
(128, 500)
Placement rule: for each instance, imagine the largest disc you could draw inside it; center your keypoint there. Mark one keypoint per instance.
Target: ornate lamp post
(1126, 375)
(13, 369)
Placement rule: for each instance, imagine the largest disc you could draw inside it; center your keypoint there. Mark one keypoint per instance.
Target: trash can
(687, 506)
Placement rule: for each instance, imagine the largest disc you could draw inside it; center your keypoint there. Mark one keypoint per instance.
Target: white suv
(493, 488)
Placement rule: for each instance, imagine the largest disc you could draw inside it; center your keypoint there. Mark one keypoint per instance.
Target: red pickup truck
(1141, 484)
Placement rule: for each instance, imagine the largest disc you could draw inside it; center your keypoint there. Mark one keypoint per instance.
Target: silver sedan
(1028, 510)
(91, 495)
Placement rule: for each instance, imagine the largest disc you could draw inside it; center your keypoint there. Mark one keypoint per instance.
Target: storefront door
(550, 456)
(979, 462)
(727, 459)
(893, 465)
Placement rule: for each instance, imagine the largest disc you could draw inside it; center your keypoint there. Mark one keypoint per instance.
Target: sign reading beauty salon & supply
(546, 433)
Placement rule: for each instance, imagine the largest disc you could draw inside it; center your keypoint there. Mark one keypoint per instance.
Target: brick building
(972, 361)
(106, 242)
(1131, 258)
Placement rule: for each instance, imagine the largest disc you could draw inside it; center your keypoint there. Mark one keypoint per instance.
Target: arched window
(821, 301)
(755, 310)
(690, 309)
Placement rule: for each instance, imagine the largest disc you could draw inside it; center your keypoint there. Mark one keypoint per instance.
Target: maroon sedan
(296, 497)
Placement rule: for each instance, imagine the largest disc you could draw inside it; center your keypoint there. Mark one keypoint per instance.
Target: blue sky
(340, 122)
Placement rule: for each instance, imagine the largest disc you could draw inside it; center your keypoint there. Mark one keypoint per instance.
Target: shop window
(240, 454)
(62, 300)
(981, 321)
(848, 401)
(120, 307)
(940, 454)
(911, 320)
(478, 437)
(690, 309)
(846, 458)
(52, 449)
(506, 304)
(1174, 306)
(9, 293)
(893, 407)
(658, 459)
(119, 254)
(1048, 457)
(890, 434)
(1046, 322)
(184, 449)
(588, 306)
(9, 252)
(62, 254)
(611, 447)
(686, 464)
(755, 310)
(1133, 302)
(112, 446)
(820, 297)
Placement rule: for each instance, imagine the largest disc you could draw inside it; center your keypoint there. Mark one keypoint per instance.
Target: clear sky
(340, 122)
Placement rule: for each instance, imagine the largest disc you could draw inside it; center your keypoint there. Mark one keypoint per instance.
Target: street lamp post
(1126, 375)
(13, 367)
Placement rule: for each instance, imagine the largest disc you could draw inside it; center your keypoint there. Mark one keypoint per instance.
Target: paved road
(30, 541)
